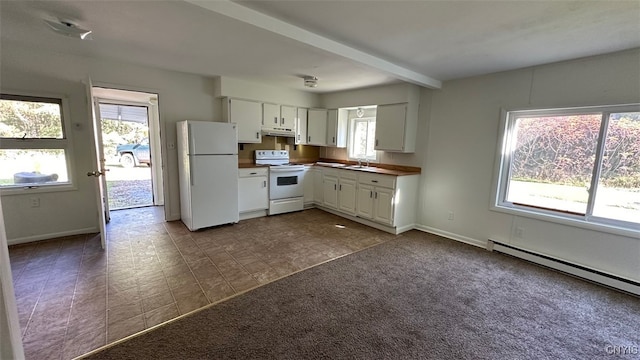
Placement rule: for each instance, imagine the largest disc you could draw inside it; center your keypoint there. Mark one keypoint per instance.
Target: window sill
(569, 220)
(28, 190)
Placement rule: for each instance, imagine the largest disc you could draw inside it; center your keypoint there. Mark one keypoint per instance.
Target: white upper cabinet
(337, 128)
(301, 126)
(391, 127)
(317, 127)
(270, 116)
(287, 117)
(248, 117)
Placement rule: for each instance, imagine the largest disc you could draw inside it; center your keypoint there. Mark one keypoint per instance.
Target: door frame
(154, 143)
(9, 321)
(156, 133)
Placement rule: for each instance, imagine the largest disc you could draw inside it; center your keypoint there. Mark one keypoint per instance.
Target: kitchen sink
(361, 167)
(330, 164)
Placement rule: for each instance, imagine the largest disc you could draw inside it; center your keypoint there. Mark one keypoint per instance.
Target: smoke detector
(67, 28)
(310, 81)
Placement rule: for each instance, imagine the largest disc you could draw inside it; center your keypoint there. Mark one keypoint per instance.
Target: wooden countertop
(374, 170)
(385, 169)
(250, 165)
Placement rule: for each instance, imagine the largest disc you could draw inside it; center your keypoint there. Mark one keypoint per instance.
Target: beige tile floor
(74, 297)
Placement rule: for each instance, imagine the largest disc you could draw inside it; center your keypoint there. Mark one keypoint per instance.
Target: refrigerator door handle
(192, 176)
(189, 139)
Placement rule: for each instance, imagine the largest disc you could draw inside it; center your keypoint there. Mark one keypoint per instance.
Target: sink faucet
(359, 162)
(367, 160)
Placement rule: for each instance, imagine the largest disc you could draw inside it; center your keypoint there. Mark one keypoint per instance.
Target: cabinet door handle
(253, 173)
(340, 187)
(282, 122)
(374, 181)
(335, 187)
(333, 140)
(309, 139)
(264, 183)
(370, 194)
(376, 194)
(298, 137)
(376, 142)
(275, 119)
(257, 135)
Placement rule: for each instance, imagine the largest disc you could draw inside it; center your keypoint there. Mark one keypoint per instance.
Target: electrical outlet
(450, 215)
(519, 232)
(35, 202)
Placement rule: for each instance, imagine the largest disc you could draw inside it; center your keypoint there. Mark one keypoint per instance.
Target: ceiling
(346, 44)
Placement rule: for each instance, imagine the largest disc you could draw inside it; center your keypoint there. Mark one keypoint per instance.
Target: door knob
(97, 173)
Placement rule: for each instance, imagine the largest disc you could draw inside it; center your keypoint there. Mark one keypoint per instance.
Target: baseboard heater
(600, 277)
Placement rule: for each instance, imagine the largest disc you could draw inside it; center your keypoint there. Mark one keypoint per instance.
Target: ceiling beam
(277, 26)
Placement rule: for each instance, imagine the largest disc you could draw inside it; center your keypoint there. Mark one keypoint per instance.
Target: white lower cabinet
(330, 191)
(365, 201)
(253, 190)
(388, 202)
(375, 203)
(347, 195)
(339, 190)
(383, 206)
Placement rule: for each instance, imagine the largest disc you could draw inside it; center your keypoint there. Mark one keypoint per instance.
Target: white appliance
(286, 191)
(208, 173)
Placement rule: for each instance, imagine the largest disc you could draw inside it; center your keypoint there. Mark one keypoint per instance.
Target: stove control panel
(272, 154)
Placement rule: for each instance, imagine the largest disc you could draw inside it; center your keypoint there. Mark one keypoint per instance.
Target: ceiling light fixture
(310, 81)
(69, 29)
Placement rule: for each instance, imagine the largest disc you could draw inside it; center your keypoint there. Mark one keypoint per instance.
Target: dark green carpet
(419, 296)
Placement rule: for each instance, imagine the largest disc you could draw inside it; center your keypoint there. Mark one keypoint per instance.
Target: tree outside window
(582, 163)
(33, 143)
(362, 138)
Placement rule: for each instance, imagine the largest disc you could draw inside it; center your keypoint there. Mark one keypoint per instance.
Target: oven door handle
(288, 169)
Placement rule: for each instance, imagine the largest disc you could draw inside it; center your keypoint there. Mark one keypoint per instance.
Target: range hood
(279, 132)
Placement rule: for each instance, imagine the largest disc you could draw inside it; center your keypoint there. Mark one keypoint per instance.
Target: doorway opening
(130, 142)
(125, 140)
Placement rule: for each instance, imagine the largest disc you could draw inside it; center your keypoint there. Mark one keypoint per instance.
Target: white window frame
(350, 146)
(503, 162)
(65, 143)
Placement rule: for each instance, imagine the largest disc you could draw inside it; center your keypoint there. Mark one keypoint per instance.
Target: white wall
(242, 89)
(458, 167)
(181, 96)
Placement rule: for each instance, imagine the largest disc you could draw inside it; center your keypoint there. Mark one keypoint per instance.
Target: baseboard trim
(48, 236)
(452, 236)
(583, 272)
(389, 229)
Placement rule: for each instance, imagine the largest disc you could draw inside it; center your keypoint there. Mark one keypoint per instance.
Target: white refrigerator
(208, 173)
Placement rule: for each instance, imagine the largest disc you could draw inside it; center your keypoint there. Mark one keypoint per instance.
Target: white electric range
(286, 191)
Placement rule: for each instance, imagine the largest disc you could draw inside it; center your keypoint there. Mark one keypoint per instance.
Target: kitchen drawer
(348, 174)
(388, 181)
(251, 172)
